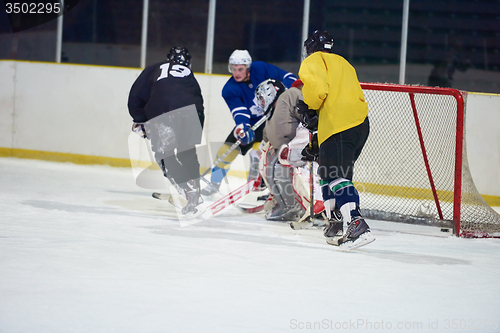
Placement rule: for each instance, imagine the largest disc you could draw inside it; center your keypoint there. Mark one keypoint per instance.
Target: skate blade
(362, 240)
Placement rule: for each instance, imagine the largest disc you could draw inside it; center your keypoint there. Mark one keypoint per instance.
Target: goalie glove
(284, 155)
(290, 157)
(244, 133)
(140, 129)
(311, 151)
(308, 117)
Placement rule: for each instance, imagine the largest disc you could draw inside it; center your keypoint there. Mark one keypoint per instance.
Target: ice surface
(83, 249)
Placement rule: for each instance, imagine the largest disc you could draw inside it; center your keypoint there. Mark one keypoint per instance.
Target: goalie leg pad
(253, 172)
(288, 207)
(267, 164)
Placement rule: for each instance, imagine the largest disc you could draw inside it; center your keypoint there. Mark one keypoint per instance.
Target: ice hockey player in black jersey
(166, 105)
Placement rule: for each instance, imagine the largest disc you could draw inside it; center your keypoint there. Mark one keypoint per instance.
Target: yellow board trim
(396, 191)
(491, 200)
(87, 159)
(64, 157)
(403, 191)
(416, 193)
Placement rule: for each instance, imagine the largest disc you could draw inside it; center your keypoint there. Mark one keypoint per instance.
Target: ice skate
(333, 230)
(284, 213)
(194, 206)
(193, 209)
(210, 189)
(357, 234)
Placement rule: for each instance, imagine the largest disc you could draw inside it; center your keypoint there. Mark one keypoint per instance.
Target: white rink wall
(75, 109)
(482, 133)
(83, 109)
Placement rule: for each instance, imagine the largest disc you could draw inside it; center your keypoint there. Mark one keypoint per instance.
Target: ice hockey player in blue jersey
(239, 94)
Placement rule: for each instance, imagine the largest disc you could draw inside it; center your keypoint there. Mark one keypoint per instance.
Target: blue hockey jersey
(240, 96)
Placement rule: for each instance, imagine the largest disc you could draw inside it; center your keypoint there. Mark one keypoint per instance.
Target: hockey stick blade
(161, 196)
(298, 225)
(307, 224)
(214, 208)
(250, 209)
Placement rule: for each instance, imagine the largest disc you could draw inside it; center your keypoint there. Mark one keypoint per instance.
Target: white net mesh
(398, 168)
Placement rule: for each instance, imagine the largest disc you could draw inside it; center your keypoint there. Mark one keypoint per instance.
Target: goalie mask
(267, 94)
(179, 55)
(318, 41)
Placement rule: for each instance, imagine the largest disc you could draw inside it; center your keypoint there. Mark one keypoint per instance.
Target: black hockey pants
(338, 153)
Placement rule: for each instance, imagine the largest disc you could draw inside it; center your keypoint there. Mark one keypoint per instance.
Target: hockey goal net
(414, 168)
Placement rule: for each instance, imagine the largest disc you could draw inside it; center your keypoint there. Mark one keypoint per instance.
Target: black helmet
(179, 55)
(318, 41)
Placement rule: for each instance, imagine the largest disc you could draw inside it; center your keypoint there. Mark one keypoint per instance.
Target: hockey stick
(229, 199)
(311, 188)
(305, 201)
(170, 198)
(233, 147)
(308, 222)
(166, 196)
(250, 209)
(217, 206)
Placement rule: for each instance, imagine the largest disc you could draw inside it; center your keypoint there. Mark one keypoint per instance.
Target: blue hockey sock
(218, 175)
(346, 197)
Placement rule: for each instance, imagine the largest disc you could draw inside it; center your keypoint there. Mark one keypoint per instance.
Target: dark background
(457, 40)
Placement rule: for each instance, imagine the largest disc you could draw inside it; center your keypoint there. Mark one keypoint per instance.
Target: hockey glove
(308, 117)
(311, 151)
(284, 155)
(244, 133)
(139, 129)
(290, 157)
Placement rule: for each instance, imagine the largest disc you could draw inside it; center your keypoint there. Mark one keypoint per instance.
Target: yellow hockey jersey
(332, 88)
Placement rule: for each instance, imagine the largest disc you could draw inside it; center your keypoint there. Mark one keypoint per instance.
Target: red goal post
(414, 167)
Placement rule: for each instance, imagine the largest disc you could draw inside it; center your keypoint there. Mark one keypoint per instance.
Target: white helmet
(240, 57)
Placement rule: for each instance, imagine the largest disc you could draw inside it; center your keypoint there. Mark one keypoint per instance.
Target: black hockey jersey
(161, 88)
